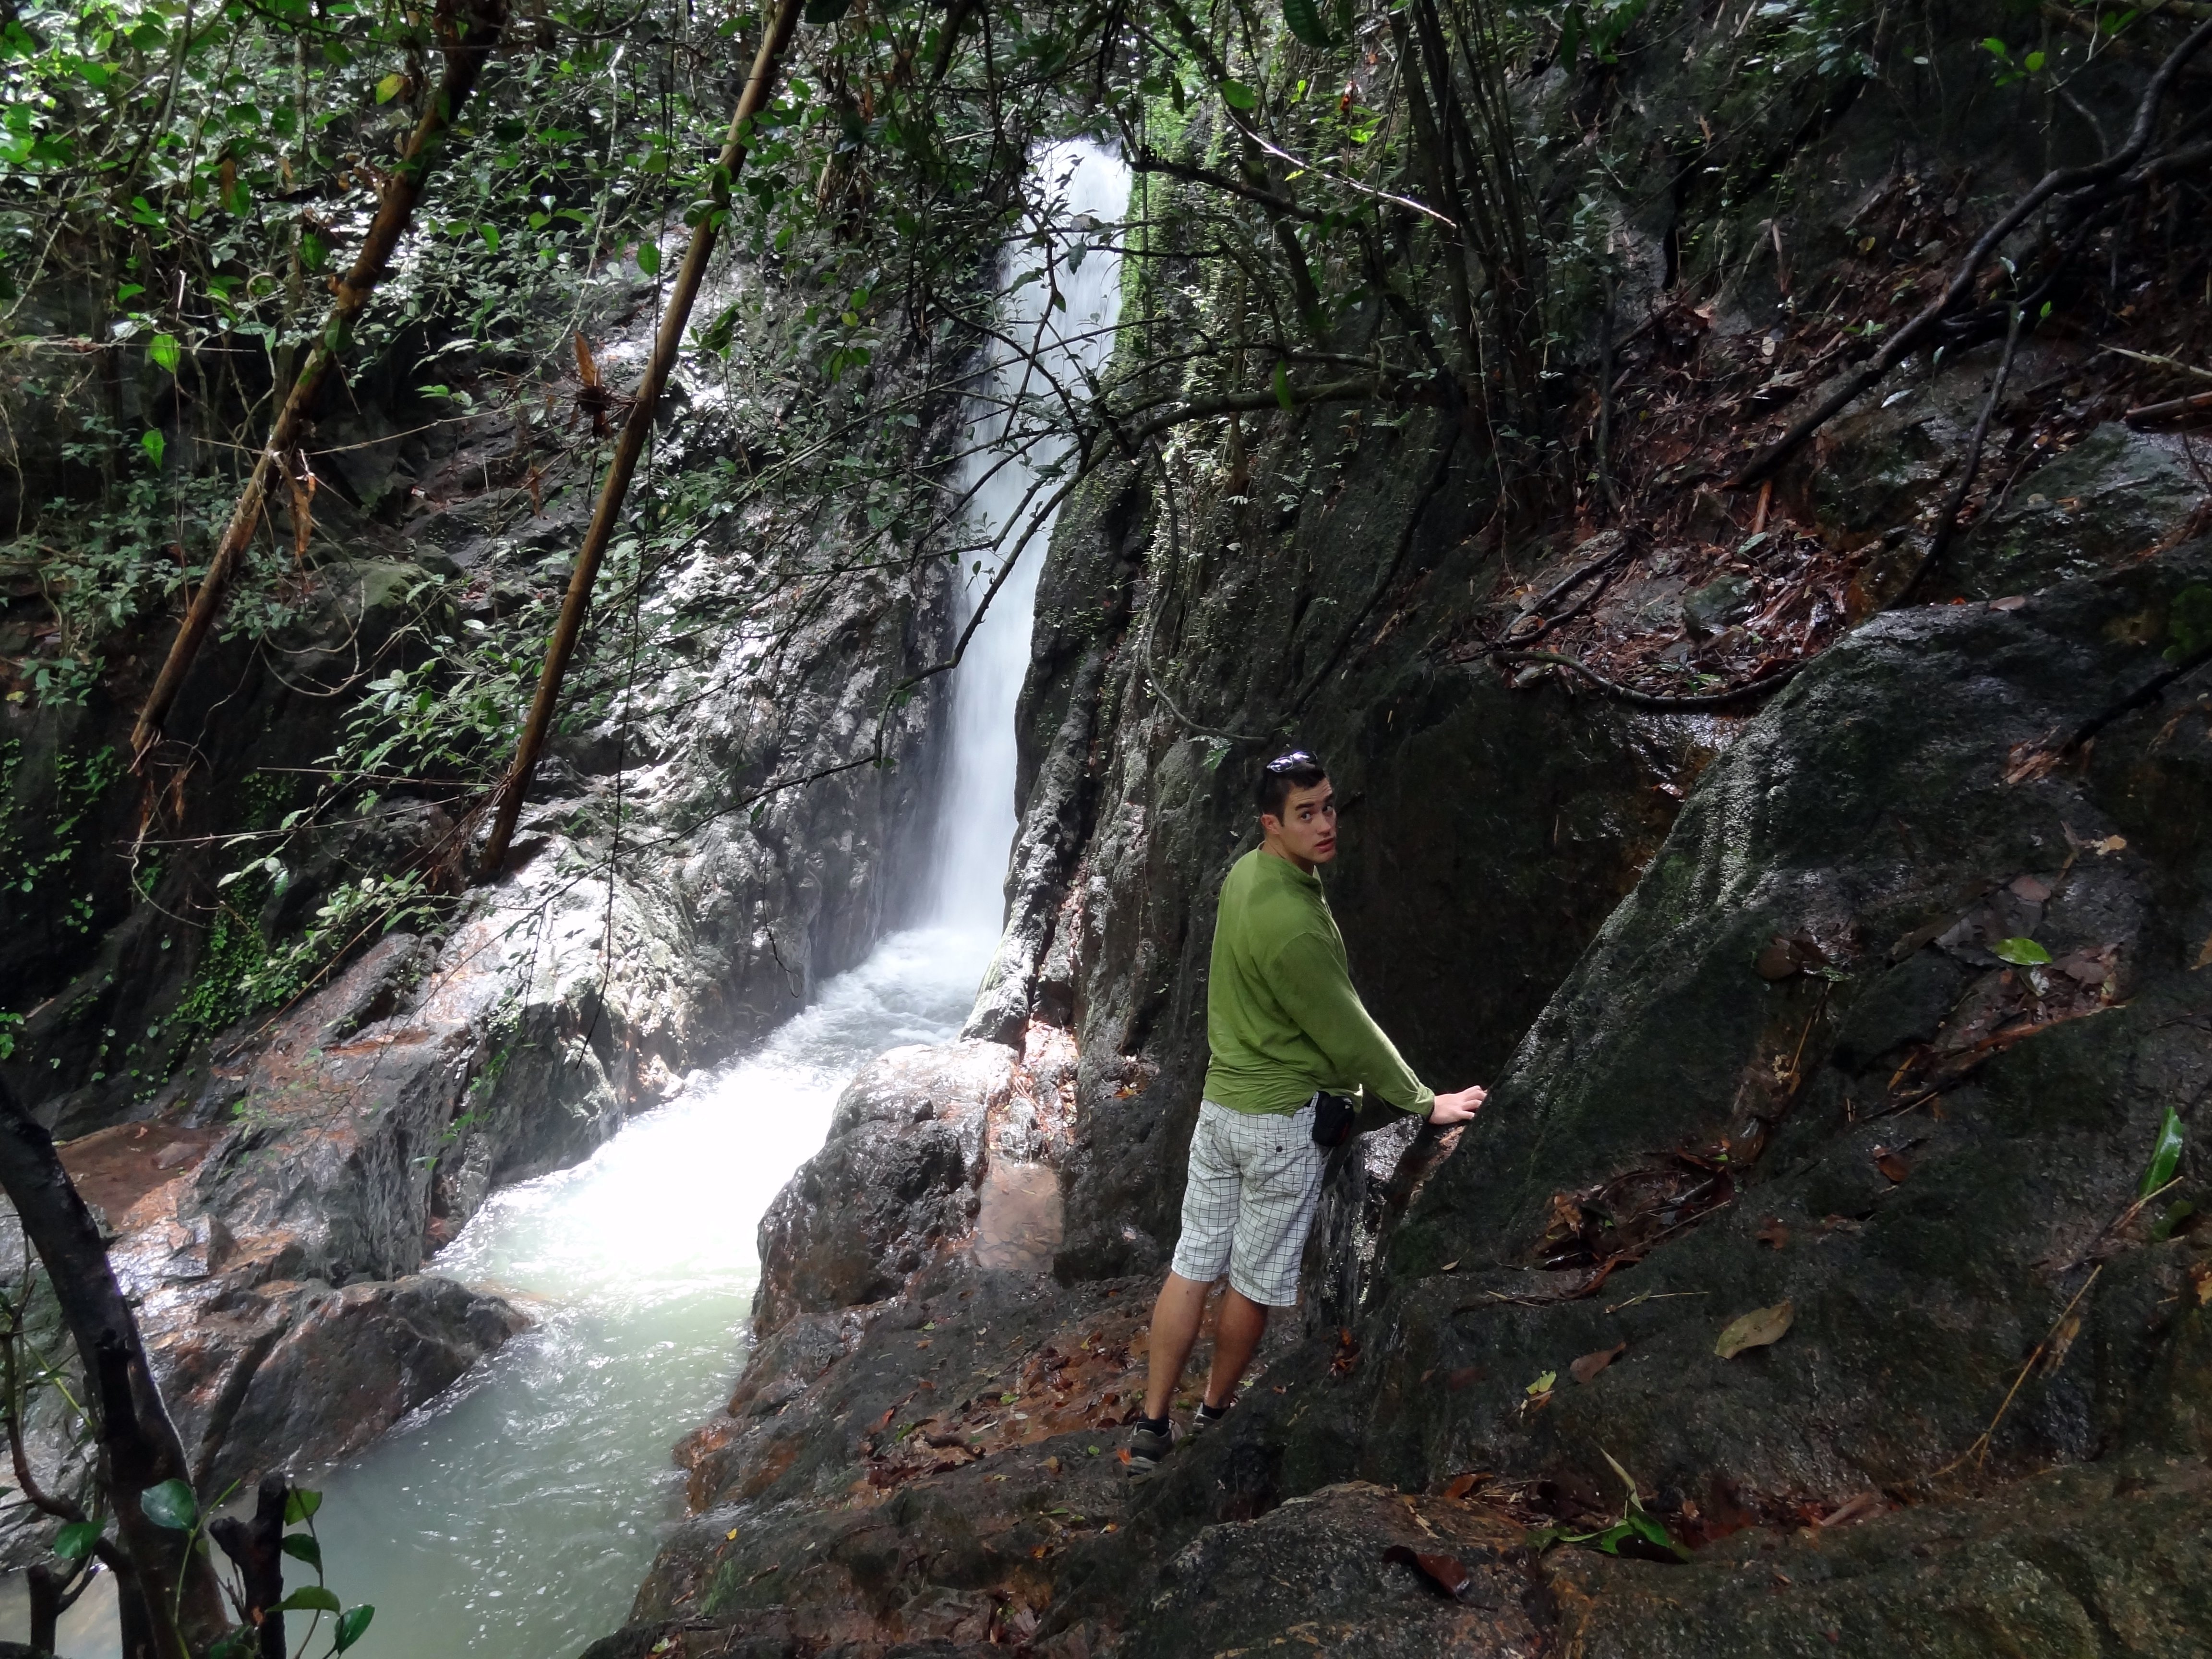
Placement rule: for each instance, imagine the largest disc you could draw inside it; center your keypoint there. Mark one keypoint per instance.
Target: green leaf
(823, 13)
(2189, 623)
(1996, 48)
(302, 1547)
(155, 446)
(1237, 95)
(1543, 1384)
(2165, 1154)
(301, 1504)
(2176, 1214)
(75, 1541)
(2034, 62)
(309, 1598)
(1571, 29)
(170, 1504)
(1305, 18)
(490, 234)
(165, 352)
(389, 88)
(2021, 952)
(353, 1623)
(1283, 385)
(1756, 1330)
(648, 258)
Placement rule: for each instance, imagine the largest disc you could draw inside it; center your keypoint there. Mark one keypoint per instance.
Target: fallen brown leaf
(1756, 1330)
(1459, 1486)
(1773, 1235)
(1447, 1572)
(1777, 961)
(2032, 889)
(1591, 1363)
(1891, 1165)
(1465, 1376)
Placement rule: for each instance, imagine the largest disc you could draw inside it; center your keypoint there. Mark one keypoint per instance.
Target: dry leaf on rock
(1460, 1486)
(1756, 1330)
(1773, 1235)
(1891, 1165)
(1591, 1363)
(1447, 1572)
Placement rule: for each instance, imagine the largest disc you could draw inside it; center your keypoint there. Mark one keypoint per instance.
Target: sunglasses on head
(1291, 762)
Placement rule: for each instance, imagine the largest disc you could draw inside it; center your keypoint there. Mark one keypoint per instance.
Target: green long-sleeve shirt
(1281, 1016)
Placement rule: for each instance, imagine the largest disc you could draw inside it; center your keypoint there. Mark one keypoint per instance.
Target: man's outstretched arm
(1314, 990)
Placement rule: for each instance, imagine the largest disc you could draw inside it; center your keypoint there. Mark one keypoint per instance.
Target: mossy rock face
(2116, 493)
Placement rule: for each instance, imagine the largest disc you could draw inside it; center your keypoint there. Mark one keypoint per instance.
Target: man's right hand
(1457, 1109)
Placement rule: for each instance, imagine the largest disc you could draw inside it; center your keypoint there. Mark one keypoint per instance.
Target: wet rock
(348, 1364)
(2069, 1563)
(1709, 609)
(2116, 493)
(1319, 1573)
(896, 1183)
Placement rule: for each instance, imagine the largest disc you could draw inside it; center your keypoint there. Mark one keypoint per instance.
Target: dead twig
(1947, 527)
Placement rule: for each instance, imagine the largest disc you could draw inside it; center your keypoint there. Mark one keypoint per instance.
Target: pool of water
(515, 1516)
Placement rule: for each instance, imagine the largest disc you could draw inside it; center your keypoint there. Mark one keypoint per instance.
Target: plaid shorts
(1254, 1181)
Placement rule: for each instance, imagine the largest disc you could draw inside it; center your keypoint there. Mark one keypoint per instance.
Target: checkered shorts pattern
(1254, 1181)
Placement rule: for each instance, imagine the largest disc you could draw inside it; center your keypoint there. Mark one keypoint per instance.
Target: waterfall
(1087, 186)
(514, 1518)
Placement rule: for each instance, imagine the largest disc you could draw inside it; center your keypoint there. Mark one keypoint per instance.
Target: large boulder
(897, 1182)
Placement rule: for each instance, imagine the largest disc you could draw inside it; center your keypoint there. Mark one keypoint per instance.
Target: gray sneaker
(1207, 1416)
(1147, 1446)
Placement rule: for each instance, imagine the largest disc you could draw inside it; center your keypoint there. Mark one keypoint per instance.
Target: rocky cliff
(1819, 890)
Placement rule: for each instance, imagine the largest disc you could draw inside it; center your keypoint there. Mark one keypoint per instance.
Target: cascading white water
(515, 1518)
(1045, 348)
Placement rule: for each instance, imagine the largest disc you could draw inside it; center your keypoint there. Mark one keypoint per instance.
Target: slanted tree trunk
(138, 1444)
(469, 41)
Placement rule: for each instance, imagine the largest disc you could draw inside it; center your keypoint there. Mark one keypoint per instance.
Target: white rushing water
(514, 1518)
(1086, 186)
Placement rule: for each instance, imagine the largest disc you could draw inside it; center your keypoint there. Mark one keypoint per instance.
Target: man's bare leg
(1175, 1319)
(1236, 1336)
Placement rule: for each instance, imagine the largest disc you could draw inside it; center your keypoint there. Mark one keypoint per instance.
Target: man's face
(1306, 832)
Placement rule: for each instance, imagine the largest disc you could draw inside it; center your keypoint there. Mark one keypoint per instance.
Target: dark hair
(1295, 769)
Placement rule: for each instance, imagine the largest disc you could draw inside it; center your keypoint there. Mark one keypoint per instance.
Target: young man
(1285, 1026)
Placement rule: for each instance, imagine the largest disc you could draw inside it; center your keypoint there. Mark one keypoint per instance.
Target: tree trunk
(258, 1548)
(138, 1444)
(467, 49)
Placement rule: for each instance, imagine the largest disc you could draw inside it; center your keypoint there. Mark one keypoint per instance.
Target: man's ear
(1270, 823)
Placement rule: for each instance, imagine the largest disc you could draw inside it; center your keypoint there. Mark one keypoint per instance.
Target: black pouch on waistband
(1332, 1115)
